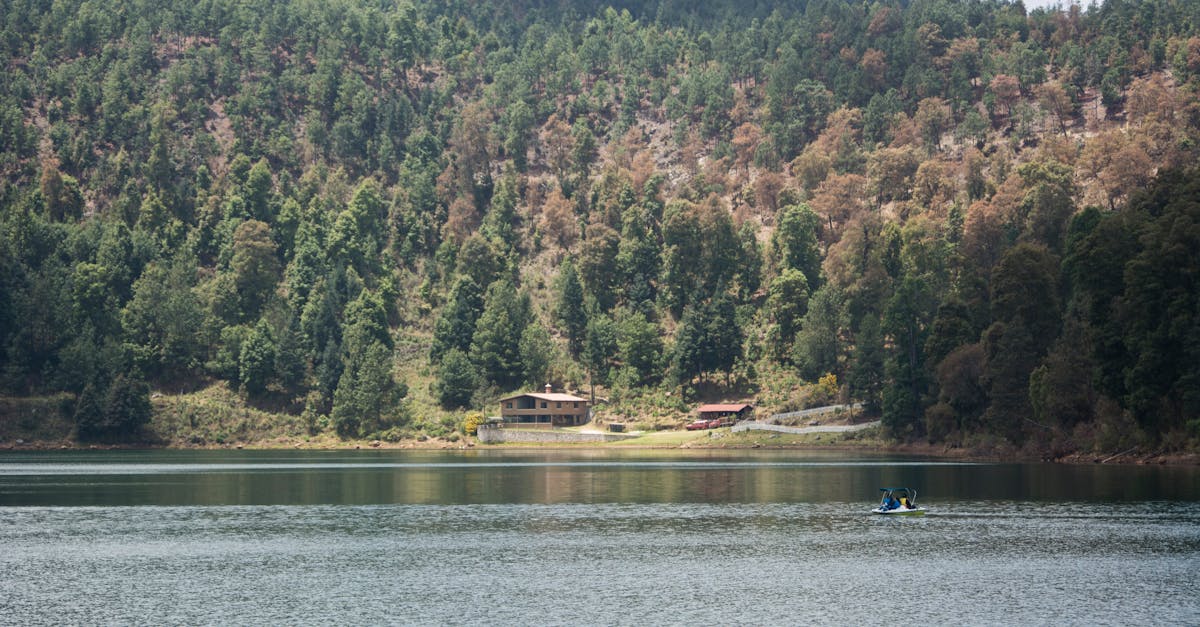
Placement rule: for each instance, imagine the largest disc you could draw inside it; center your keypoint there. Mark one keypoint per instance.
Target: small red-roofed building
(726, 414)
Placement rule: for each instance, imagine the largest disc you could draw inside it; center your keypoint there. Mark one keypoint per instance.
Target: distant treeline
(372, 214)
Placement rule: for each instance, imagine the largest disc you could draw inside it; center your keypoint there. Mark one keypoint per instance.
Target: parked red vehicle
(705, 424)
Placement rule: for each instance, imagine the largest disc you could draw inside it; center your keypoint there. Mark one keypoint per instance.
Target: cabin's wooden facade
(544, 410)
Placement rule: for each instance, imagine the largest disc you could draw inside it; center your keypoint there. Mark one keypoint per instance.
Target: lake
(532, 537)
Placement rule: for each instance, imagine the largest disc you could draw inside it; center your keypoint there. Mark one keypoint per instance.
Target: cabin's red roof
(704, 409)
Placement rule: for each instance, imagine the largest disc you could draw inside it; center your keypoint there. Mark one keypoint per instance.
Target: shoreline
(41, 424)
(928, 451)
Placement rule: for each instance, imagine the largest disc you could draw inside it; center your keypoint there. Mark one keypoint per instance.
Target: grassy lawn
(767, 439)
(663, 439)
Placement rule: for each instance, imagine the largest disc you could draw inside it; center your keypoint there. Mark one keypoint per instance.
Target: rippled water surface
(632, 538)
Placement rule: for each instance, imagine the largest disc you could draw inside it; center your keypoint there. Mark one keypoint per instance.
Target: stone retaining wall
(493, 435)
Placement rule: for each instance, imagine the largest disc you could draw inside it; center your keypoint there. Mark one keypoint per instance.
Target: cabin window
(576, 404)
(508, 405)
(543, 404)
(560, 405)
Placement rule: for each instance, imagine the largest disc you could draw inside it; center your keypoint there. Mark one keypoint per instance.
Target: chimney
(549, 389)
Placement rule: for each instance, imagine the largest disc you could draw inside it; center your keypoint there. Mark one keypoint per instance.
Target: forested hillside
(981, 222)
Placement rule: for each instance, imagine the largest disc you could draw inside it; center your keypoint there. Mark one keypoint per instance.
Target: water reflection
(589, 476)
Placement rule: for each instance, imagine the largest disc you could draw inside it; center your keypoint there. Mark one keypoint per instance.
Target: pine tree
(708, 339)
(456, 380)
(496, 343)
(787, 303)
(89, 413)
(570, 309)
(687, 357)
(724, 336)
(367, 397)
(597, 262)
(537, 353)
(255, 266)
(116, 411)
(256, 362)
(600, 344)
(817, 349)
(638, 258)
(456, 325)
(163, 322)
(906, 321)
(796, 242)
(639, 347)
(867, 367)
(290, 364)
(127, 405)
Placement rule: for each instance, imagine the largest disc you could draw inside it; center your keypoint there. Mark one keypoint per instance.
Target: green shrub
(395, 434)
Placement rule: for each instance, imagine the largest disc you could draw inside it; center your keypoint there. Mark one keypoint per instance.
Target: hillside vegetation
(362, 218)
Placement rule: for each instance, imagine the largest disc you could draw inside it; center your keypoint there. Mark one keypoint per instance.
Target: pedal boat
(898, 502)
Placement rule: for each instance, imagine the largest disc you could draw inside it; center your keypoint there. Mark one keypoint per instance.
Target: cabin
(727, 413)
(544, 410)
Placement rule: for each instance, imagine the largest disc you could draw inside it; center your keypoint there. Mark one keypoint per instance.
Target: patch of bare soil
(221, 128)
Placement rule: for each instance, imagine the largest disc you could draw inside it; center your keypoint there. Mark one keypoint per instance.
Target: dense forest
(981, 222)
